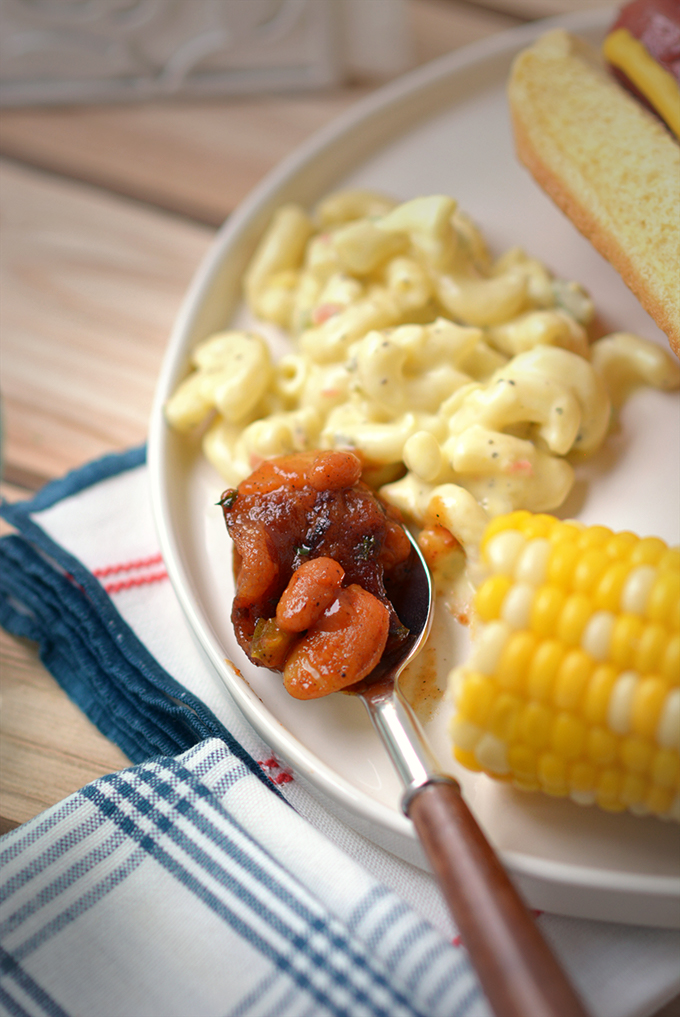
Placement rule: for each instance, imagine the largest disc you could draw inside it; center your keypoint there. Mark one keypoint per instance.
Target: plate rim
(531, 872)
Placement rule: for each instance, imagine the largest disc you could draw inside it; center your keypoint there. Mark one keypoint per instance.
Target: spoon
(517, 970)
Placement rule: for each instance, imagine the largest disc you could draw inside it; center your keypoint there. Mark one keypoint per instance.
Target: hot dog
(608, 163)
(643, 52)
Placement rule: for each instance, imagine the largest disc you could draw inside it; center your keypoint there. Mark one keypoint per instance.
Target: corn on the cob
(573, 682)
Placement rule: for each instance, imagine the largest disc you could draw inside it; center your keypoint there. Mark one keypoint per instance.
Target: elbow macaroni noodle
(468, 384)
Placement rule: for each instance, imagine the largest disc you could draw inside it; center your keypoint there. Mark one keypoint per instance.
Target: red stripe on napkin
(141, 566)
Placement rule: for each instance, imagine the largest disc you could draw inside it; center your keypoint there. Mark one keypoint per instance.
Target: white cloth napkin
(188, 884)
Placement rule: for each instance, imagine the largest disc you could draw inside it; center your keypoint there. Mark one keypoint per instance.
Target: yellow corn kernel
(670, 559)
(568, 735)
(596, 702)
(526, 785)
(537, 526)
(670, 663)
(634, 789)
(533, 725)
(648, 551)
(659, 799)
(648, 700)
(573, 619)
(515, 659)
(601, 746)
(503, 716)
(608, 790)
(572, 679)
(562, 531)
(467, 759)
(668, 729)
(664, 595)
(589, 569)
(522, 760)
(665, 768)
(621, 545)
(607, 593)
(475, 698)
(674, 617)
(582, 776)
(511, 521)
(490, 596)
(636, 753)
(561, 564)
(625, 639)
(552, 773)
(594, 536)
(546, 610)
(650, 649)
(542, 673)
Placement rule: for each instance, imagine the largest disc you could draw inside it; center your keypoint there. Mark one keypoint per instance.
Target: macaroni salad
(467, 384)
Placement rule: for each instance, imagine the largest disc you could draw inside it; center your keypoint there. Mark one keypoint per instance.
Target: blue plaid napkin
(162, 890)
(207, 879)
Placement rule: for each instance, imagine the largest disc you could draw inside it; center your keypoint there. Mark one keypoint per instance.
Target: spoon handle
(515, 966)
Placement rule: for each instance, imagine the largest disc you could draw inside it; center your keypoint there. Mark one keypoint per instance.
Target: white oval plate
(442, 129)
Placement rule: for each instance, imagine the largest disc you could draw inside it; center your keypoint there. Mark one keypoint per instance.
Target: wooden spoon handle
(517, 970)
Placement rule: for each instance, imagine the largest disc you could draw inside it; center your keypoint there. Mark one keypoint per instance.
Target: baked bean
(312, 588)
(341, 648)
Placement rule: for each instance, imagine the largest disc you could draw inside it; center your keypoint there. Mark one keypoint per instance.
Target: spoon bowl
(415, 607)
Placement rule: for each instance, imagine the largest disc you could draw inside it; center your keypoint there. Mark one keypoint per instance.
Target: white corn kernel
(491, 754)
(668, 728)
(504, 550)
(532, 564)
(620, 702)
(516, 609)
(465, 734)
(597, 635)
(637, 589)
(487, 651)
(674, 811)
(583, 797)
(456, 682)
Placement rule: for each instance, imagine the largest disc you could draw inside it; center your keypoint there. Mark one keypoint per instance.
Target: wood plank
(441, 26)
(48, 748)
(195, 159)
(201, 158)
(91, 284)
(532, 9)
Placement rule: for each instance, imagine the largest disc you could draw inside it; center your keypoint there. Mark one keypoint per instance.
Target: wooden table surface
(106, 213)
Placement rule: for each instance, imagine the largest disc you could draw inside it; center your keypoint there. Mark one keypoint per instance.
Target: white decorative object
(63, 51)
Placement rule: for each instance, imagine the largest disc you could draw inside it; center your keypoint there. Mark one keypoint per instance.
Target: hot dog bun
(607, 162)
